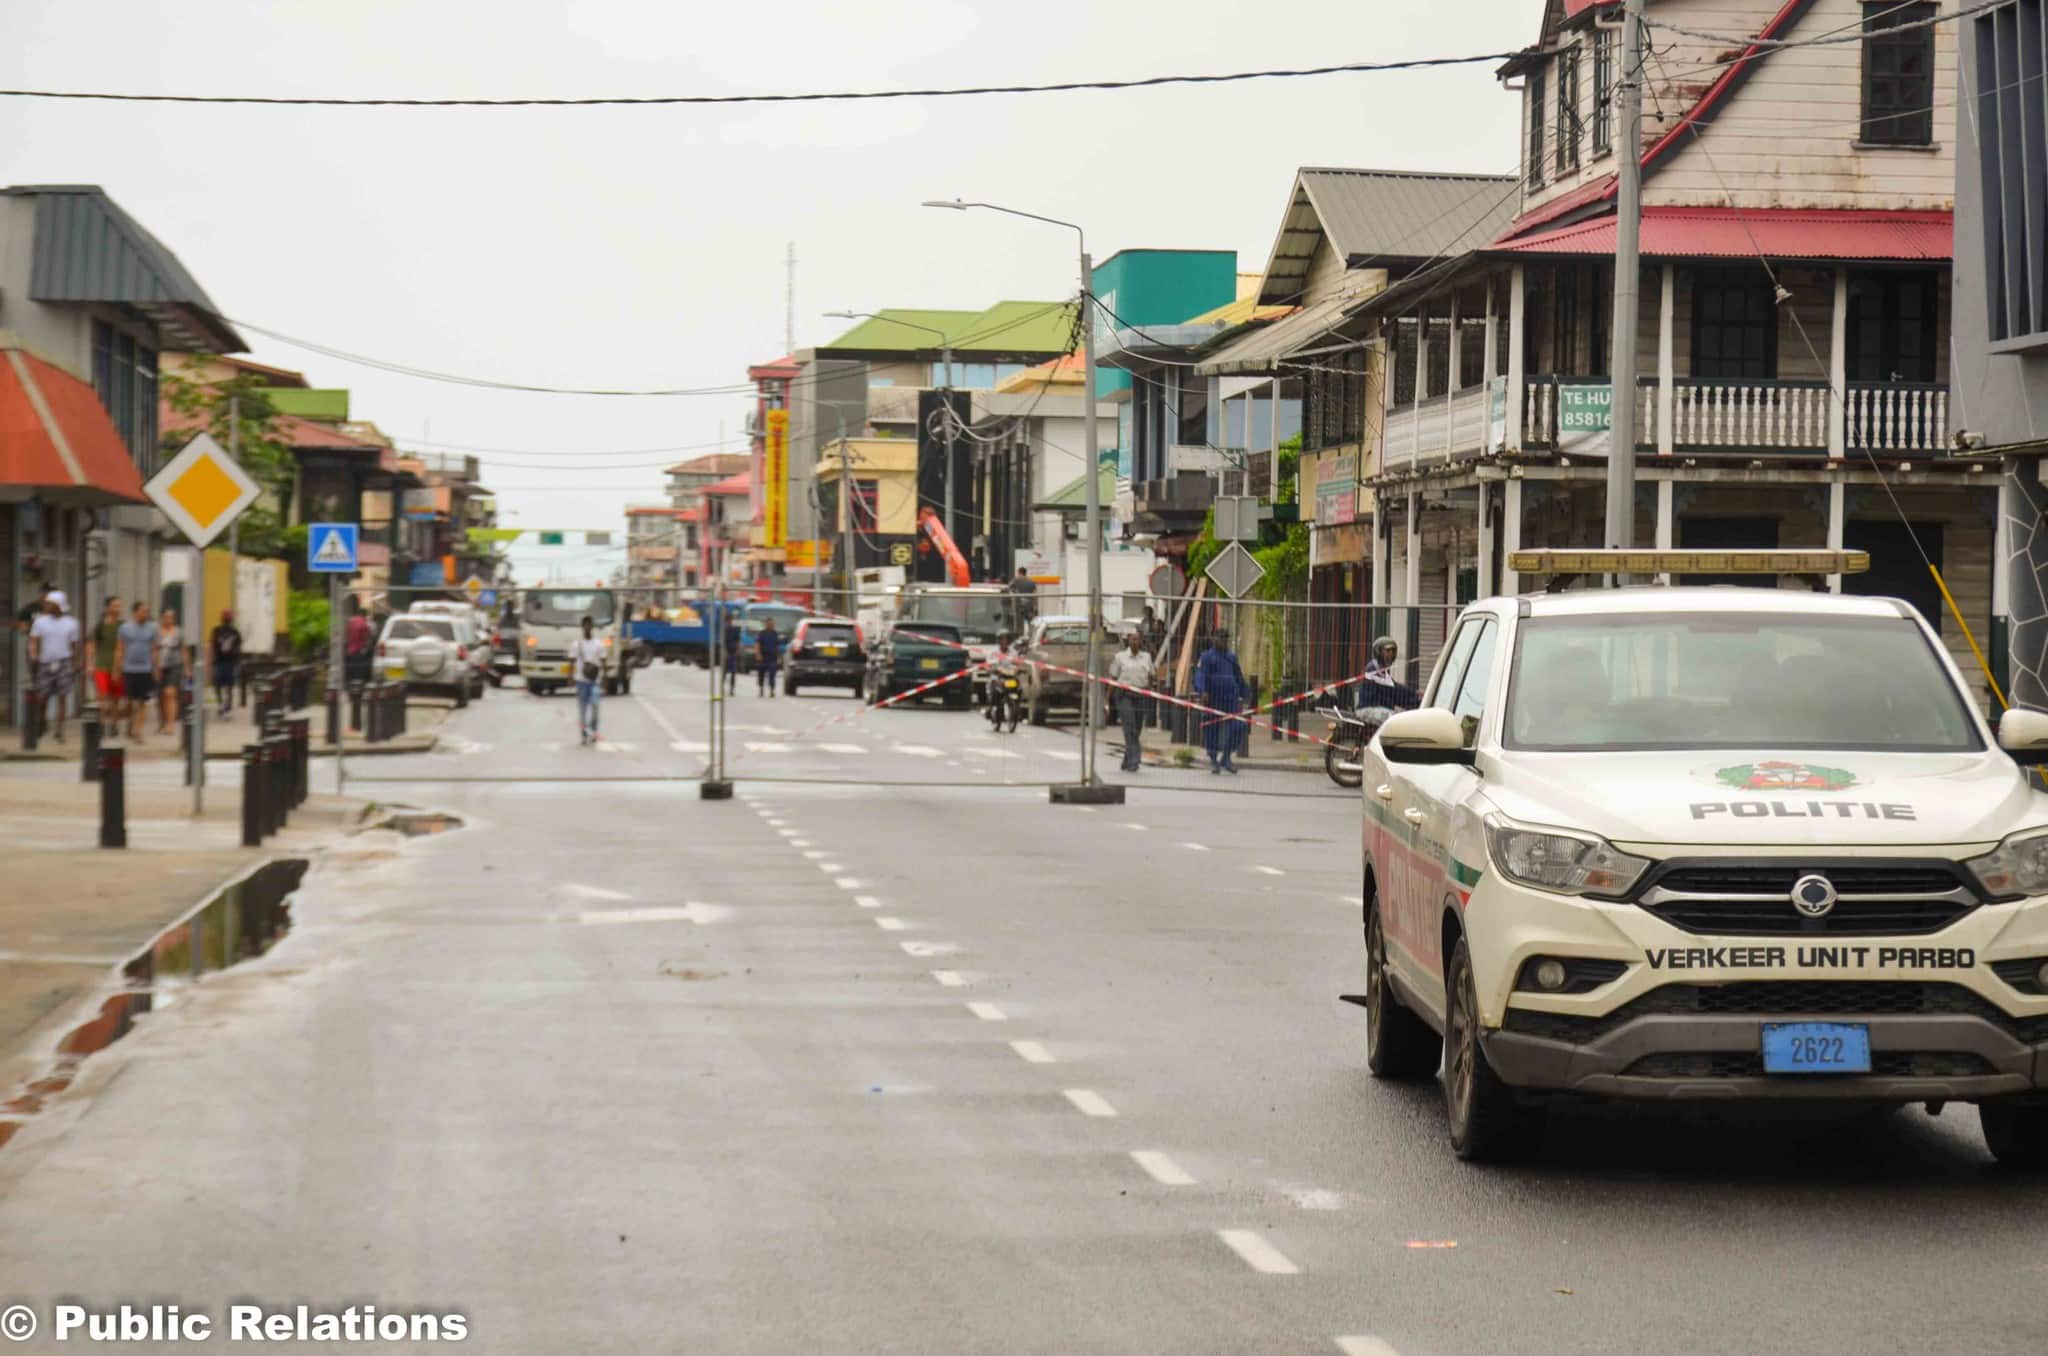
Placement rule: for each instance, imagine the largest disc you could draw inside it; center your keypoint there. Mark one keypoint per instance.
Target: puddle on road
(417, 823)
(241, 922)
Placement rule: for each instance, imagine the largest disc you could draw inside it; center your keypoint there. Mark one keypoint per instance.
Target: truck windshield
(1732, 681)
(980, 616)
(567, 607)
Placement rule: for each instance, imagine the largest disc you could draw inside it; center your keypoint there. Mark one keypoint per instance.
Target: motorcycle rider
(1383, 670)
(1002, 662)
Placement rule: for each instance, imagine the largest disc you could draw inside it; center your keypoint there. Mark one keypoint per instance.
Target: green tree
(264, 455)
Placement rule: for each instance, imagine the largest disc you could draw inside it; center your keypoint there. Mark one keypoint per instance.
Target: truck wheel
(1487, 1123)
(625, 684)
(2016, 1135)
(1398, 1044)
(957, 700)
(860, 688)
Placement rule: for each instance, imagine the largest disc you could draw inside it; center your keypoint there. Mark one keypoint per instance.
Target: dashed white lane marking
(616, 746)
(931, 948)
(1269, 870)
(992, 753)
(831, 868)
(1195, 847)
(988, 1012)
(814, 853)
(582, 891)
(867, 901)
(773, 821)
(1134, 824)
(690, 746)
(766, 746)
(891, 924)
(1257, 1253)
(847, 883)
(1088, 1103)
(919, 750)
(661, 721)
(1359, 900)
(951, 979)
(1162, 1169)
(692, 912)
(842, 748)
(1365, 1346)
(1064, 755)
(799, 842)
(1033, 1053)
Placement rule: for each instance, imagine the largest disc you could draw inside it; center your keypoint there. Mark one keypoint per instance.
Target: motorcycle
(1351, 731)
(1005, 709)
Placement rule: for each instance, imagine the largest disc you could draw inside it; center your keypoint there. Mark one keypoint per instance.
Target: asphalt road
(891, 1055)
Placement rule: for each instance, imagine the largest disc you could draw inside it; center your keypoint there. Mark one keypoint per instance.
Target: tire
(2016, 1135)
(789, 687)
(958, 701)
(1399, 1046)
(1343, 750)
(1038, 711)
(626, 685)
(1487, 1123)
(462, 692)
(860, 688)
(1015, 714)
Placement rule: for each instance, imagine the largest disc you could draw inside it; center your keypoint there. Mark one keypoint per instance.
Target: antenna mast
(789, 300)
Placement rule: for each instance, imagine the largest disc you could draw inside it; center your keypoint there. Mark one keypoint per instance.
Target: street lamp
(1090, 790)
(945, 358)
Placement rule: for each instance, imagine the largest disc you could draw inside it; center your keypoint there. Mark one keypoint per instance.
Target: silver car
(432, 652)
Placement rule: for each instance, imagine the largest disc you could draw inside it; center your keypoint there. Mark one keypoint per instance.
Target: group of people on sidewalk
(1219, 684)
(767, 649)
(134, 662)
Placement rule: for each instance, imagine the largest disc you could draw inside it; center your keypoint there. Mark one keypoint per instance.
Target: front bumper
(848, 671)
(1943, 1024)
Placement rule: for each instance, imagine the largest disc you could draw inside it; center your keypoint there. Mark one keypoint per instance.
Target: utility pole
(789, 300)
(1091, 479)
(1628, 208)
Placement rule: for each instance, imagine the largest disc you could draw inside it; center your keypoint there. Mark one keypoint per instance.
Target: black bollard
(89, 741)
(301, 731)
(31, 720)
(113, 797)
(333, 705)
(277, 758)
(398, 707)
(252, 795)
(355, 706)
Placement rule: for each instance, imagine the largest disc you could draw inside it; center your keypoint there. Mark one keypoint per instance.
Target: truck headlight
(2018, 866)
(1569, 863)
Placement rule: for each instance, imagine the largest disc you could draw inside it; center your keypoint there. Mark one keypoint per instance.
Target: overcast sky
(644, 247)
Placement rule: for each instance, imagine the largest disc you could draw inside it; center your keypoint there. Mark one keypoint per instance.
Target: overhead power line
(803, 97)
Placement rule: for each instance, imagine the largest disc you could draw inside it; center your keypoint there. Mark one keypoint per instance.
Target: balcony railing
(1750, 417)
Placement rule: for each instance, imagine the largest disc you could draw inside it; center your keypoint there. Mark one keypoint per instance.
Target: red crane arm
(956, 564)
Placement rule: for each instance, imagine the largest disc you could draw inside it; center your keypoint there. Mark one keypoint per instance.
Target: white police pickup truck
(1706, 843)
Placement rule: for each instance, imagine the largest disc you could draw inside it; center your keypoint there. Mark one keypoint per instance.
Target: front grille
(1750, 1064)
(549, 656)
(1875, 898)
(1783, 998)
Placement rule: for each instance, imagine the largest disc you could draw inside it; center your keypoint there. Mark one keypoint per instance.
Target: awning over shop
(1775, 233)
(1261, 351)
(56, 441)
(1072, 496)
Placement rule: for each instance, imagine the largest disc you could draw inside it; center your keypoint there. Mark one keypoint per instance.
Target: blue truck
(683, 633)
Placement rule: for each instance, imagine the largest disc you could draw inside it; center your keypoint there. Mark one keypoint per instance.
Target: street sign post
(202, 490)
(1237, 518)
(473, 587)
(1234, 571)
(331, 550)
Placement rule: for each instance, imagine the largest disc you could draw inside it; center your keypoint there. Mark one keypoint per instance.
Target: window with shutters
(2011, 107)
(1536, 97)
(1568, 112)
(1734, 325)
(1603, 91)
(1898, 73)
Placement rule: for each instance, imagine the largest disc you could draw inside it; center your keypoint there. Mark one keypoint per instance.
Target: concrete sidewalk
(72, 913)
(1266, 754)
(225, 737)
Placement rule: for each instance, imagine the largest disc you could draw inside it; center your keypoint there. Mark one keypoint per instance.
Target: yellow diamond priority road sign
(202, 490)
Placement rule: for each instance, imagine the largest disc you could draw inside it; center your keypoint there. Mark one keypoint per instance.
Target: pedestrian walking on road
(1220, 686)
(586, 661)
(767, 660)
(170, 669)
(138, 667)
(53, 644)
(226, 648)
(1024, 599)
(106, 662)
(734, 641)
(1131, 666)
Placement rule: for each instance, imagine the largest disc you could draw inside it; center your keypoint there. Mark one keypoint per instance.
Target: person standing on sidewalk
(226, 650)
(138, 668)
(1132, 667)
(357, 637)
(53, 643)
(170, 669)
(1220, 686)
(106, 663)
(586, 661)
(734, 639)
(767, 660)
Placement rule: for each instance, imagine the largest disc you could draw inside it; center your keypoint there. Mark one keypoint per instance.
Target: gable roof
(711, 464)
(86, 249)
(1394, 216)
(1004, 328)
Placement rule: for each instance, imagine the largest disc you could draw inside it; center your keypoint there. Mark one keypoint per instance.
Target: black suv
(824, 652)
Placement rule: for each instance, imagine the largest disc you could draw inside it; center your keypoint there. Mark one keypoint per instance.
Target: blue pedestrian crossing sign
(331, 548)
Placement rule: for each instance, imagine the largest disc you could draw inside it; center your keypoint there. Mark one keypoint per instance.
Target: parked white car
(474, 621)
(432, 652)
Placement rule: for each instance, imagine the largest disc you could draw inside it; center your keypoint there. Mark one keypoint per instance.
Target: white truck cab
(1706, 843)
(551, 618)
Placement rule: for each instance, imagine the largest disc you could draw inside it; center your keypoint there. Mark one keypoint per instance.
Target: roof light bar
(1614, 561)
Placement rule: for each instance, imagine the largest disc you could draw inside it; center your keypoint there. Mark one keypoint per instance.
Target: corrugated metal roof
(1072, 497)
(1259, 351)
(901, 329)
(86, 249)
(1775, 233)
(1006, 327)
(1383, 217)
(56, 437)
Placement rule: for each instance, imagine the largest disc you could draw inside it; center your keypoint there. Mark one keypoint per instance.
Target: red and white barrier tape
(1158, 696)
